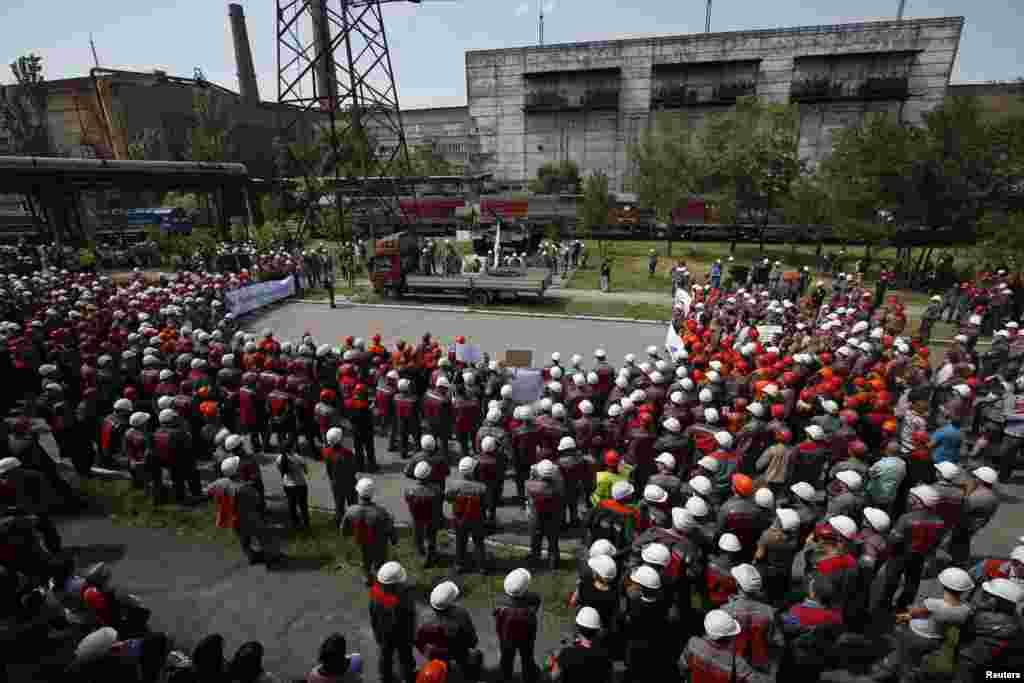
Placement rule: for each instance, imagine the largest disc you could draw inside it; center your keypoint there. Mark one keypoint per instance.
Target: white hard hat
(687, 384)
(422, 470)
(629, 358)
(626, 405)
(1005, 589)
(709, 463)
(8, 464)
(729, 543)
(764, 498)
(232, 442)
(599, 353)
(846, 527)
(803, 490)
(697, 507)
(947, 470)
(442, 382)
(878, 519)
(506, 391)
(229, 466)
(638, 396)
(517, 582)
(614, 410)
(601, 546)
(592, 378)
(403, 385)
(621, 382)
(556, 356)
(167, 416)
(719, 624)
(444, 595)
(576, 359)
(963, 390)
(926, 494)
(756, 409)
(334, 435)
(815, 432)
(166, 375)
(566, 443)
(830, 407)
(666, 459)
(493, 413)
(655, 494)
(724, 439)
(558, 411)
(788, 519)
(586, 407)
(852, 480)
(705, 396)
(603, 566)
(646, 577)
(747, 576)
(138, 420)
(96, 645)
(123, 405)
(428, 442)
(956, 579)
(556, 374)
(365, 488)
(391, 573)
(547, 469)
(467, 465)
(701, 484)
(713, 377)
(488, 444)
(622, 490)
(656, 553)
(672, 425)
(588, 618)
(986, 474)
(1018, 554)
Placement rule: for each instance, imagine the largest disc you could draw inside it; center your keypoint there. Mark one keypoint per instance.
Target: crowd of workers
(770, 435)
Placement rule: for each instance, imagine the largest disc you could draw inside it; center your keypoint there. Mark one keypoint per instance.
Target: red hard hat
(435, 671)
(612, 458)
(460, 340)
(920, 438)
(328, 395)
(94, 598)
(850, 416)
(376, 339)
(130, 393)
(741, 404)
(858, 447)
(349, 341)
(778, 411)
(784, 435)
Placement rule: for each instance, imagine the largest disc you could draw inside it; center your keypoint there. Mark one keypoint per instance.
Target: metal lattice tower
(334, 69)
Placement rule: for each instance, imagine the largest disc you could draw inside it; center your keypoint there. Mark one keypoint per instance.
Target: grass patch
(324, 548)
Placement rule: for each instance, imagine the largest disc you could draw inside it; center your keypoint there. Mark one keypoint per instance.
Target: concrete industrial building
(589, 101)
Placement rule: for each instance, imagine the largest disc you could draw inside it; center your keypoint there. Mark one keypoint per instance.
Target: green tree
(593, 211)
(808, 204)
(865, 175)
(556, 177)
(23, 108)
(425, 161)
(749, 157)
(668, 167)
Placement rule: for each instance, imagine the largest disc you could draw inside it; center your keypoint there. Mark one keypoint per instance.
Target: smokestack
(323, 68)
(247, 87)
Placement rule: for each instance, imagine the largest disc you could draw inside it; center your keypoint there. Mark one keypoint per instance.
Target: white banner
(683, 300)
(468, 353)
(246, 299)
(673, 342)
(527, 385)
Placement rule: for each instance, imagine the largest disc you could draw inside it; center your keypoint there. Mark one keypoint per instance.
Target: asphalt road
(492, 333)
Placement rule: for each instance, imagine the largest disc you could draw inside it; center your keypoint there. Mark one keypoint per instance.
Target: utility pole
(540, 6)
(95, 58)
(707, 19)
(903, 5)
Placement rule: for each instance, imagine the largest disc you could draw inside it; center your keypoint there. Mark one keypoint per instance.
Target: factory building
(587, 102)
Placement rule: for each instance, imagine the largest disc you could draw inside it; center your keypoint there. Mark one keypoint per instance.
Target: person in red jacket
(516, 623)
(713, 658)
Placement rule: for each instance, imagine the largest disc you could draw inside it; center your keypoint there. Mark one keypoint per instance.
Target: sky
(428, 40)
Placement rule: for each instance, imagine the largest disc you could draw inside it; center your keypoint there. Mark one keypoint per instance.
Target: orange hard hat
(742, 484)
(783, 436)
(94, 598)
(204, 391)
(208, 408)
(889, 426)
(435, 671)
